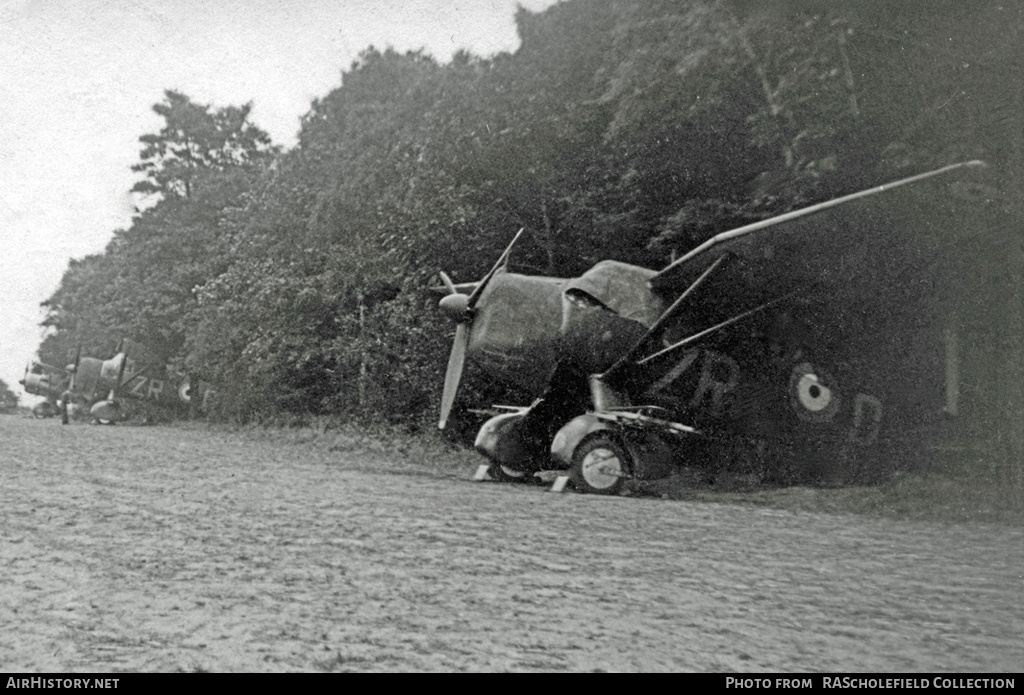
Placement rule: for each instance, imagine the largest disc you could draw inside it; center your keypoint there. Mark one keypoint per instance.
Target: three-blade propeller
(462, 309)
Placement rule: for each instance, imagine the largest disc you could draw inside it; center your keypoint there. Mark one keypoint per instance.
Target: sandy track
(155, 549)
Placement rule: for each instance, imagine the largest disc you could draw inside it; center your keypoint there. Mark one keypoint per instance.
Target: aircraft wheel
(600, 465)
(504, 474)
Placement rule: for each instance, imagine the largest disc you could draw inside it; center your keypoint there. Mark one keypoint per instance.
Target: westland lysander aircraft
(46, 381)
(803, 346)
(99, 385)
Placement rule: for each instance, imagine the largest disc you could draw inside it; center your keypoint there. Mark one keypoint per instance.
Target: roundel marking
(813, 393)
(185, 390)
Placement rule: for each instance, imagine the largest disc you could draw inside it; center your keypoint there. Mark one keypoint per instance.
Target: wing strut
(708, 331)
(666, 316)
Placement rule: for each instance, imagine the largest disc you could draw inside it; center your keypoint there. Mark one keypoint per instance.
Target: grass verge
(974, 490)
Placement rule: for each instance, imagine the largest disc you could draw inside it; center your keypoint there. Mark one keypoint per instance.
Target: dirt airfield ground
(169, 549)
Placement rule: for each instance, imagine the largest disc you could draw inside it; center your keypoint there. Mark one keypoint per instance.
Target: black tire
(504, 474)
(600, 465)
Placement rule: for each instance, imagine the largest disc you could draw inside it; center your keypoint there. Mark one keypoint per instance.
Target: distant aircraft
(785, 345)
(101, 384)
(46, 381)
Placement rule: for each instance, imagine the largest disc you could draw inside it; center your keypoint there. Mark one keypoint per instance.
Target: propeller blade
(502, 261)
(453, 374)
(74, 368)
(120, 373)
(448, 284)
(460, 308)
(66, 396)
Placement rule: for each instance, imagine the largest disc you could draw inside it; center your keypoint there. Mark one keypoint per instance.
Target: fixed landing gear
(600, 465)
(503, 474)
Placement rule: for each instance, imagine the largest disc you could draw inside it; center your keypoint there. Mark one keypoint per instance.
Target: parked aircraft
(46, 381)
(807, 346)
(100, 385)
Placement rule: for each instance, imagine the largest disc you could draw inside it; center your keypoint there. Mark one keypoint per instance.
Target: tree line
(299, 280)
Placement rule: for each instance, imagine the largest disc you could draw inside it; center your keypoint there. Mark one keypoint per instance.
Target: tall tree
(195, 141)
(200, 165)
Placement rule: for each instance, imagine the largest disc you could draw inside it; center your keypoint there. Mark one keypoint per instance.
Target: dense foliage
(627, 129)
(8, 399)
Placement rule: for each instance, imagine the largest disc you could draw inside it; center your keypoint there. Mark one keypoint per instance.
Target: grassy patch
(362, 446)
(986, 493)
(973, 490)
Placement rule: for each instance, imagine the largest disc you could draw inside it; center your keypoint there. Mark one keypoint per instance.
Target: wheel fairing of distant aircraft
(46, 409)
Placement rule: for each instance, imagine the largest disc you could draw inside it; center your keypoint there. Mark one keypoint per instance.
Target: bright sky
(78, 79)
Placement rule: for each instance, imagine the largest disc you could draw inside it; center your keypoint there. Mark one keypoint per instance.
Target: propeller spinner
(462, 309)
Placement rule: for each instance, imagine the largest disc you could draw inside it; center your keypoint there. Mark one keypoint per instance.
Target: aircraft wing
(136, 352)
(865, 238)
(142, 361)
